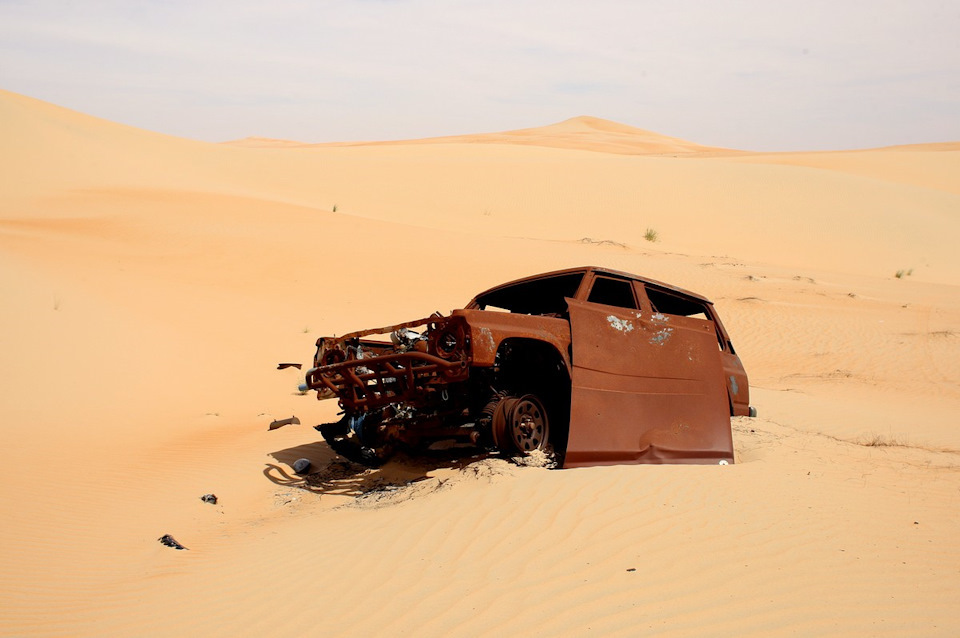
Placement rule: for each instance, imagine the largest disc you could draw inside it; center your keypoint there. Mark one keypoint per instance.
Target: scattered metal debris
(284, 366)
(170, 541)
(276, 425)
(302, 466)
(209, 498)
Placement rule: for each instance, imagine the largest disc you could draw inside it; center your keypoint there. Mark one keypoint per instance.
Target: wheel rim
(527, 424)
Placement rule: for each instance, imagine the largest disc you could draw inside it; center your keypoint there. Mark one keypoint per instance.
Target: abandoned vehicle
(594, 366)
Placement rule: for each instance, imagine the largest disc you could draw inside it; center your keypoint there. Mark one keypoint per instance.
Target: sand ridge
(580, 133)
(151, 284)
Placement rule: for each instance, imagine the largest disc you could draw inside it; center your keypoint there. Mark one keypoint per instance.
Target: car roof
(600, 270)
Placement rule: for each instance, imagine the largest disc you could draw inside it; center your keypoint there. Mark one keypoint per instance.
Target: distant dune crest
(584, 132)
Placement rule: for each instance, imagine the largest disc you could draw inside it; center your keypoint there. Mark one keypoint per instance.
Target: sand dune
(151, 284)
(578, 133)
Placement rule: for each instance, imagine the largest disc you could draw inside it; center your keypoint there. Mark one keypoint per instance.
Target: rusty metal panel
(738, 386)
(646, 388)
(489, 329)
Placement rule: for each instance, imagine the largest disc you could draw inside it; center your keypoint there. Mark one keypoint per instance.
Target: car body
(595, 365)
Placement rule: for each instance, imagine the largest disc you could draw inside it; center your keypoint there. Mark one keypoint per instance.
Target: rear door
(647, 387)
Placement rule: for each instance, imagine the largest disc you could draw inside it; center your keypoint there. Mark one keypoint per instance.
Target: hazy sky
(752, 74)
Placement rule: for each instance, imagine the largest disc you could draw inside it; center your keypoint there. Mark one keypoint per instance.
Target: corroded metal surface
(490, 329)
(647, 388)
(385, 379)
(600, 366)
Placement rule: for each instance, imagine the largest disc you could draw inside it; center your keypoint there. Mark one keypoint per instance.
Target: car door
(647, 387)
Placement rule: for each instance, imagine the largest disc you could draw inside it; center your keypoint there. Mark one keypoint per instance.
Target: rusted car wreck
(592, 365)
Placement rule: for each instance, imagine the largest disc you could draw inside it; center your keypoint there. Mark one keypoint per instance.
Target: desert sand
(151, 284)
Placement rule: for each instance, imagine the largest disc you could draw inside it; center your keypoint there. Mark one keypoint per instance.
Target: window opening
(613, 292)
(537, 297)
(670, 304)
(673, 305)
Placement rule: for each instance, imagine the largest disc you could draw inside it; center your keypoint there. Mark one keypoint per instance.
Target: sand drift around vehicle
(591, 365)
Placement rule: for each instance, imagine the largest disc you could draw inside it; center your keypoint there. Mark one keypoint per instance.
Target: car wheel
(521, 425)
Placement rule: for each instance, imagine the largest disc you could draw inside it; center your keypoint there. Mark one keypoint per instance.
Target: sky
(749, 74)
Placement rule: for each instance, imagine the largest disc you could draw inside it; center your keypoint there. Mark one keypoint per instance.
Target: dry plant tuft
(879, 440)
